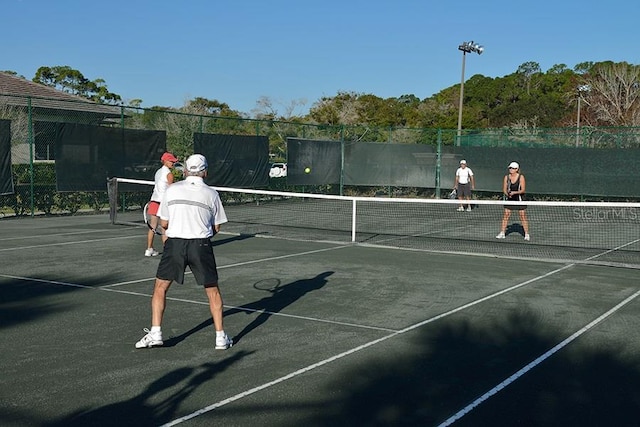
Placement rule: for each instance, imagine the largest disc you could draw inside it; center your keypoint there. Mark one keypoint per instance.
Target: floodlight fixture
(469, 47)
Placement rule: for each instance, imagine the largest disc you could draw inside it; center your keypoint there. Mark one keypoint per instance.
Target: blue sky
(167, 52)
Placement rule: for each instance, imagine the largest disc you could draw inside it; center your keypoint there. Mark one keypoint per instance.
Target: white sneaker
(152, 339)
(469, 209)
(460, 209)
(500, 235)
(527, 237)
(224, 342)
(151, 252)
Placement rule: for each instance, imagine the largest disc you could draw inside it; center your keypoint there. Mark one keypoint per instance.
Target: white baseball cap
(463, 162)
(514, 165)
(196, 163)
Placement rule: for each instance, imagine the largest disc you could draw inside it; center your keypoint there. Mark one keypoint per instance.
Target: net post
(112, 191)
(353, 221)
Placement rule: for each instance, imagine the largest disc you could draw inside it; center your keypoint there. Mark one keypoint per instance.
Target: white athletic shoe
(224, 342)
(527, 237)
(151, 252)
(152, 339)
(469, 209)
(500, 235)
(460, 209)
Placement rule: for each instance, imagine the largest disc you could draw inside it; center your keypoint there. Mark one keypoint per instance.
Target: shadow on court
(279, 298)
(238, 238)
(423, 388)
(23, 301)
(515, 228)
(169, 391)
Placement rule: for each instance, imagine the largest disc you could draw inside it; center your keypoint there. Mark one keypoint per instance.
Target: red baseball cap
(168, 157)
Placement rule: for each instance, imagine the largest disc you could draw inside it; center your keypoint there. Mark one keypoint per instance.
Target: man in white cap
(465, 182)
(191, 213)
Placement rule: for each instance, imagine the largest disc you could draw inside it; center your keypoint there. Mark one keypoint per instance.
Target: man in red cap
(163, 179)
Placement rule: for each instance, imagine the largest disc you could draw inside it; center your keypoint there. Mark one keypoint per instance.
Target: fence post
(341, 158)
(31, 169)
(438, 162)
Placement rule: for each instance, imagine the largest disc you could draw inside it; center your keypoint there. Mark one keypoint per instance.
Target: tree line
(605, 93)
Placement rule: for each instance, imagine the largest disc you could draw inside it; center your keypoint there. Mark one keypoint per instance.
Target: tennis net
(603, 233)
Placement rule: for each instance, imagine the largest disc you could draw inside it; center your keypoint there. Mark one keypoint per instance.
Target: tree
(583, 67)
(211, 107)
(69, 80)
(135, 103)
(340, 109)
(267, 109)
(527, 71)
(13, 73)
(614, 93)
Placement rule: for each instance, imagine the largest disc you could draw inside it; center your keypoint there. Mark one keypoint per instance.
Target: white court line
(272, 313)
(464, 411)
(239, 264)
(40, 236)
(356, 349)
(46, 245)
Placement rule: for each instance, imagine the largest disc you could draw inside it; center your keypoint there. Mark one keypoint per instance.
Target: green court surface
(354, 335)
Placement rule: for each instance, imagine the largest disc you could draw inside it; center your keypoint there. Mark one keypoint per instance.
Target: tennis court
(345, 334)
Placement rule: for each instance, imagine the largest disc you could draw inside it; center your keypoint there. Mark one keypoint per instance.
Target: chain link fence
(33, 153)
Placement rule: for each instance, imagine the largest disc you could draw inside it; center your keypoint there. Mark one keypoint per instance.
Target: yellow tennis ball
(307, 170)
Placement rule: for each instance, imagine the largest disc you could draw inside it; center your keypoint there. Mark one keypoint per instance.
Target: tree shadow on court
(445, 369)
(280, 297)
(157, 404)
(24, 300)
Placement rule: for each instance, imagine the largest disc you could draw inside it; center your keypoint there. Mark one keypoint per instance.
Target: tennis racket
(269, 285)
(453, 194)
(149, 219)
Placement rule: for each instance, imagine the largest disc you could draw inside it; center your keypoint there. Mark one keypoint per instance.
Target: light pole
(465, 47)
(581, 90)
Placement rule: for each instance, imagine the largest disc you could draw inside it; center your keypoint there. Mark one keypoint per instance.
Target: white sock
(220, 334)
(156, 330)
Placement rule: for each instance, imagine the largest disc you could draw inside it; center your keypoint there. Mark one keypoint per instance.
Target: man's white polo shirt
(192, 209)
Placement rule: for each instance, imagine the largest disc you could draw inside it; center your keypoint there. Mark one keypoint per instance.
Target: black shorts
(515, 207)
(464, 190)
(195, 253)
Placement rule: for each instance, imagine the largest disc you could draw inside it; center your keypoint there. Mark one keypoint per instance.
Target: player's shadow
(515, 228)
(173, 341)
(222, 241)
(279, 298)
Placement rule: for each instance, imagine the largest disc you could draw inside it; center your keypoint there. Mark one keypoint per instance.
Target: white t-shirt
(161, 183)
(192, 209)
(464, 175)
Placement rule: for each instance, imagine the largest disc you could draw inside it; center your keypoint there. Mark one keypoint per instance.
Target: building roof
(16, 91)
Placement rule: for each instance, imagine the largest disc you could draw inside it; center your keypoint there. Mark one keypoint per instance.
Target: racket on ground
(148, 220)
(269, 285)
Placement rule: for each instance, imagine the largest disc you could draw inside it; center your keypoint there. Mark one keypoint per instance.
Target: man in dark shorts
(191, 213)
(464, 183)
